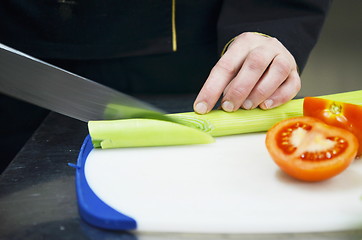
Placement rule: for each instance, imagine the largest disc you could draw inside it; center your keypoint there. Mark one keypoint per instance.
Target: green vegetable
(197, 128)
(221, 123)
(143, 132)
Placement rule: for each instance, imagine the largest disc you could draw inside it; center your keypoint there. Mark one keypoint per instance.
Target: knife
(32, 80)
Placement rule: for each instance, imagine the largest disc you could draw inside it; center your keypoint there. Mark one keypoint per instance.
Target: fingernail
(228, 106)
(247, 104)
(201, 108)
(268, 103)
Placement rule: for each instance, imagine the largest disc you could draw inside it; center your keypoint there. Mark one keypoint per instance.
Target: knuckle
(298, 85)
(274, 40)
(261, 93)
(295, 86)
(226, 66)
(285, 98)
(295, 82)
(282, 66)
(256, 61)
(246, 35)
(209, 90)
(278, 46)
(236, 93)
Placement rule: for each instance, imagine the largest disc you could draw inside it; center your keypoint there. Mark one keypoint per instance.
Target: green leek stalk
(221, 123)
(143, 132)
(195, 128)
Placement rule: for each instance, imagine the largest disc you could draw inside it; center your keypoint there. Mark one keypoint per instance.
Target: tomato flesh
(284, 136)
(310, 150)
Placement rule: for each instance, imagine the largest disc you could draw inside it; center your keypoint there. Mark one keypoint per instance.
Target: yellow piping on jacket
(174, 40)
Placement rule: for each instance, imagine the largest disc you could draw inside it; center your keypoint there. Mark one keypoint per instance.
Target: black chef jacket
(141, 46)
(100, 29)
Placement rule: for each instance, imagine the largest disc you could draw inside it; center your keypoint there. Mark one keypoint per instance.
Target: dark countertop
(37, 190)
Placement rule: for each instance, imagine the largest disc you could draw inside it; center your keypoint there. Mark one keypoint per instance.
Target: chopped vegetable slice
(339, 114)
(143, 133)
(310, 150)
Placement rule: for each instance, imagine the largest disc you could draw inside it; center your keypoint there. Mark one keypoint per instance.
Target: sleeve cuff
(231, 40)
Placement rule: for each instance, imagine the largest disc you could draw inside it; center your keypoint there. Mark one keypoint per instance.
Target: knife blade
(32, 80)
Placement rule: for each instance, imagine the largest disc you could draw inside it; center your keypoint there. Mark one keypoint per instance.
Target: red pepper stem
(335, 108)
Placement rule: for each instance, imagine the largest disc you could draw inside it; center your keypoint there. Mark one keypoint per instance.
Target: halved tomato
(310, 150)
(339, 114)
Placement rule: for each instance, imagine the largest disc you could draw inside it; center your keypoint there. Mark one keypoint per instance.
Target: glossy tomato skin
(310, 150)
(339, 114)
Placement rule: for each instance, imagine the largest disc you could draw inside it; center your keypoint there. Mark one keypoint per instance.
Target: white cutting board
(230, 186)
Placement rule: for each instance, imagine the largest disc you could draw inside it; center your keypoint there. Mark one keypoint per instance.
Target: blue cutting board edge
(92, 209)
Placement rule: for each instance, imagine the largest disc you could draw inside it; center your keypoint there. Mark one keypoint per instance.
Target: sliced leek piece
(143, 133)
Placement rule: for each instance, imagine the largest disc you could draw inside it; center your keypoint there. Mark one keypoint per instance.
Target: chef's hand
(255, 71)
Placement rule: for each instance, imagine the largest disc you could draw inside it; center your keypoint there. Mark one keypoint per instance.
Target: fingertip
(267, 104)
(248, 104)
(201, 108)
(227, 106)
